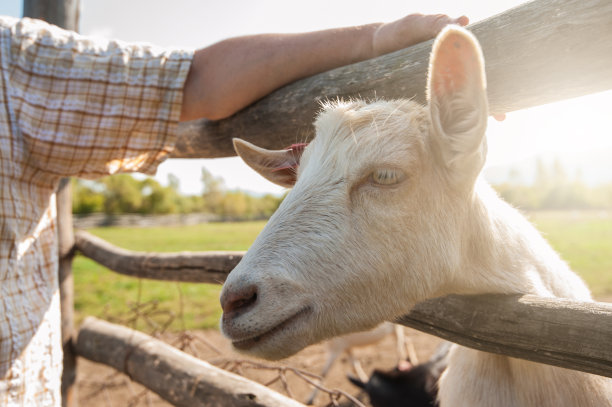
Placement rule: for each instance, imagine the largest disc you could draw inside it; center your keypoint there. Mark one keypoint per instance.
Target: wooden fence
(539, 52)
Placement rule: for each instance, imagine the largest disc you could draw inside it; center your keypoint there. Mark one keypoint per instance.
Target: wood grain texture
(65, 236)
(540, 52)
(195, 267)
(571, 334)
(177, 377)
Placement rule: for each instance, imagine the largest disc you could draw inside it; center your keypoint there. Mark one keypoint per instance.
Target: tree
(235, 205)
(267, 205)
(214, 190)
(158, 199)
(122, 194)
(87, 196)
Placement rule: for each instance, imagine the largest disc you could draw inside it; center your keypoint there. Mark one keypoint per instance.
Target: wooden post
(65, 14)
(65, 237)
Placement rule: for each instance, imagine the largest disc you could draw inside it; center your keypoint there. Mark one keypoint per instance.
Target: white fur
(343, 253)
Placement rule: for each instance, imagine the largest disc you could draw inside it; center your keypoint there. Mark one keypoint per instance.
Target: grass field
(102, 293)
(584, 239)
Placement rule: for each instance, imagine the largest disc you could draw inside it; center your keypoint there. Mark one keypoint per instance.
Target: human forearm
(231, 74)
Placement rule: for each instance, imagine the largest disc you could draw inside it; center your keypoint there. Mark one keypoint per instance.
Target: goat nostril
(244, 302)
(239, 300)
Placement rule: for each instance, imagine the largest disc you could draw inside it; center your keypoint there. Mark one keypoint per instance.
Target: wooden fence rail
(570, 334)
(540, 52)
(193, 267)
(177, 377)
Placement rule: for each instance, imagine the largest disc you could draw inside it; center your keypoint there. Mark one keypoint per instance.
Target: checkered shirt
(69, 106)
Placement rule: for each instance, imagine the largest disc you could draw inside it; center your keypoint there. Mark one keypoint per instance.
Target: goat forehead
(362, 132)
(340, 122)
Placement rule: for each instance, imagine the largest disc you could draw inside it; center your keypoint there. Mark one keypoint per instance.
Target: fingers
(462, 21)
(436, 22)
(411, 30)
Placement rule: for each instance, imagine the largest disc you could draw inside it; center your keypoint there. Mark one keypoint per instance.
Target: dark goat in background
(407, 385)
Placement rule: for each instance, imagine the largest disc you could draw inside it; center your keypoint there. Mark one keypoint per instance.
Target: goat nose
(238, 300)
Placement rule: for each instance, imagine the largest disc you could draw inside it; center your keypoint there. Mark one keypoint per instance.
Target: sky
(569, 127)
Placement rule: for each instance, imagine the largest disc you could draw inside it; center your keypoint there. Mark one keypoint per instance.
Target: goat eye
(387, 176)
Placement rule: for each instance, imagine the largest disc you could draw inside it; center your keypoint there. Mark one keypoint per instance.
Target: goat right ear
(458, 102)
(277, 166)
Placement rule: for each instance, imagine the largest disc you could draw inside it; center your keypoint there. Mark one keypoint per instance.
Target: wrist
(367, 48)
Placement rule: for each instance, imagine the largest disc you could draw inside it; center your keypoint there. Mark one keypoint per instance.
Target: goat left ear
(458, 102)
(277, 166)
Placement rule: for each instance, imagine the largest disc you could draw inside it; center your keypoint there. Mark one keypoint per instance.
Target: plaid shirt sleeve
(87, 107)
(69, 105)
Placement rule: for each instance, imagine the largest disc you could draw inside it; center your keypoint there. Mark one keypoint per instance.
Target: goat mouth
(245, 344)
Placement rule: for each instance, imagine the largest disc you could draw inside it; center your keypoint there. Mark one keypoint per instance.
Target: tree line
(122, 193)
(551, 189)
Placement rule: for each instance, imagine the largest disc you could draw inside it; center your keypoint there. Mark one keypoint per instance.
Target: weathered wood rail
(570, 334)
(193, 267)
(177, 377)
(537, 53)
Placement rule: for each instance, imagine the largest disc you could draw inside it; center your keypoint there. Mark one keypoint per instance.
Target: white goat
(388, 210)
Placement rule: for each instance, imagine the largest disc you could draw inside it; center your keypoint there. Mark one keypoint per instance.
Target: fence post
(65, 236)
(65, 14)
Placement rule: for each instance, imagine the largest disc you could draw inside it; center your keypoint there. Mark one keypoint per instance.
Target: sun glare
(563, 129)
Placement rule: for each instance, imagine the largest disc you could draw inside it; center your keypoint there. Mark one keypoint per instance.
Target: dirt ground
(101, 386)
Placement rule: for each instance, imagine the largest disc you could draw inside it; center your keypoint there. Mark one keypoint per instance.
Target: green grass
(105, 294)
(584, 240)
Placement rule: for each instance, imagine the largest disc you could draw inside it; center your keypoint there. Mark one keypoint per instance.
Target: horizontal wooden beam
(540, 52)
(177, 377)
(571, 334)
(195, 267)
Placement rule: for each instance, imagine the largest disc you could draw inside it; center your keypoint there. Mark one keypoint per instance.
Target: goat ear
(277, 166)
(458, 102)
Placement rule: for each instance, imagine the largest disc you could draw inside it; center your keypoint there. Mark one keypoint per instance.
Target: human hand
(410, 30)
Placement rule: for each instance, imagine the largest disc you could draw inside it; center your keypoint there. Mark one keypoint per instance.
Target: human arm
(229, 75)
